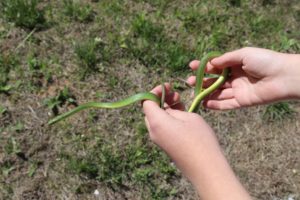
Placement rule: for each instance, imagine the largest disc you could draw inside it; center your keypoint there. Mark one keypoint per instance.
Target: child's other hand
(258, 76)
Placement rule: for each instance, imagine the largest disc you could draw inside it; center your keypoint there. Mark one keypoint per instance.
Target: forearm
(216, 180)
(207, 168)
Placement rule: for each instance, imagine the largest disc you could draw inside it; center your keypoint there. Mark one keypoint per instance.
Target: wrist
(292, 76)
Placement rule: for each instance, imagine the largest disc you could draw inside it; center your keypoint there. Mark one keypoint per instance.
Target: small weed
(177, 57)
(39, 70)
(7, 167)
(78, 11)
(7, 64)
(24, 13)
(113, 7)
(3, 110)
(89, 54)
(112, 81)
(12, 147)
(288, 44)
(278, 111)
(144, 28)
(64, 96)
(33, 167)
(236, 3)
(18, 127)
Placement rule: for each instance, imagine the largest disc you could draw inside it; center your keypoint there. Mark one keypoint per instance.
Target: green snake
(199, 93)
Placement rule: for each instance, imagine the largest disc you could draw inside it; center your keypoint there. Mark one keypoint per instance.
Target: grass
(135, 164)
(39, 71)
(63, 97)
(7, 64)
(278, 112)
(24, 13)
(78, 11)
(106, 50)
(90, 54)
(153, 48)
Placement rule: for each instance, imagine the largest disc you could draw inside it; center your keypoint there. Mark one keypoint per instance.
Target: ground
(55, 55)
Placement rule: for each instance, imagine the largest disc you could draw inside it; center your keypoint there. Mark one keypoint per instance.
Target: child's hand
(177, 132)
(258, 76)
(192, 145)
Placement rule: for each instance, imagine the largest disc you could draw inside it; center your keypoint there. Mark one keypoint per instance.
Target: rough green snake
(199, 93)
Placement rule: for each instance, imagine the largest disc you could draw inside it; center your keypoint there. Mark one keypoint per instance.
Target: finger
(230, 59)
(154, 114)
(194, 64)
(210, 69)
(191, 80)
(222, 94)
(178, 106)
(158, 89)
(173, 101)
(222, 104)
(172, 98)
(207, 82)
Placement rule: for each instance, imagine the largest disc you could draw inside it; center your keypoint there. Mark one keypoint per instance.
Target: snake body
(117, 104)
(199, 92)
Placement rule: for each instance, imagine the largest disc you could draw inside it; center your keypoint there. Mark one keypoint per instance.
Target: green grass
(78, 11)
(90, 53)
(12, 147)
(24, 13)
(278, 112)
(154, 48)
(6, 168)
(135, 164)
(63, 97)
(40, 71)
(7, 64)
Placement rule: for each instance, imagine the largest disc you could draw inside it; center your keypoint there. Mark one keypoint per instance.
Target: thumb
(153, 111)
(230, 59)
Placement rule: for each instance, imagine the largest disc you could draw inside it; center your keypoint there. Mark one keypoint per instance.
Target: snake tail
(117, 104)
